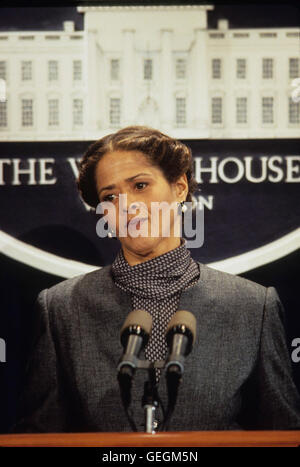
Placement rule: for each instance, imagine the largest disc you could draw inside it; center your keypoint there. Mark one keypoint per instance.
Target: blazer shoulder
(80, 286)
(231, 285)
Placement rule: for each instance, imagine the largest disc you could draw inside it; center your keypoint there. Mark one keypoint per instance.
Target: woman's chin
(141, 244)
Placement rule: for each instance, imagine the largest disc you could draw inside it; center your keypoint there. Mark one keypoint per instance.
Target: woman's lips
(136, 221)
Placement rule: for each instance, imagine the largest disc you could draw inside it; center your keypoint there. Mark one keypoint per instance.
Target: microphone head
(137, 322)
(183, 322)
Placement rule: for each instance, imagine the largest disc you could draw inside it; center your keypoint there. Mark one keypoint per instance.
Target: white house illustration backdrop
(155, 65)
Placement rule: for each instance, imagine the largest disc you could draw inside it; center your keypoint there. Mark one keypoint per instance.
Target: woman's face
(131, 173)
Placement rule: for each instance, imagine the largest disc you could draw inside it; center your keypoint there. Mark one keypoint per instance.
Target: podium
(166, 439)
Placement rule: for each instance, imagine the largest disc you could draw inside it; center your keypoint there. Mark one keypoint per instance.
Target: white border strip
(63, 267)
(260, 256)
(40, 259)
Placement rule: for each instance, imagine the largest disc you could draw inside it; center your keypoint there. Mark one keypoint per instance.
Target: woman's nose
(128, 203)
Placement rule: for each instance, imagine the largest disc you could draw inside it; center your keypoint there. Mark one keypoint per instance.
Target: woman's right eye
(111, 197)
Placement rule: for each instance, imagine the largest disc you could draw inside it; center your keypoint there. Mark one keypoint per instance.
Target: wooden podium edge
(169, 439)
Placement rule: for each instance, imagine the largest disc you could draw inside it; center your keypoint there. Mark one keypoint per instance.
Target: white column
(254, 72)
(14, 90)
(200, 94)
(65, 70)
(167, 96)
(41, 95)
(93, 80)
(128, 104)
(281, 95)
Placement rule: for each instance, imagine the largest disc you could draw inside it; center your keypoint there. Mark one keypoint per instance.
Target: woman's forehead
(120, 165)
(122, 158)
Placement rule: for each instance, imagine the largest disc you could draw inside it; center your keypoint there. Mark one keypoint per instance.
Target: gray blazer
(238, 375)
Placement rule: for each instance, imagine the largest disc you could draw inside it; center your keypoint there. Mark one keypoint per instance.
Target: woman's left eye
(141, 183)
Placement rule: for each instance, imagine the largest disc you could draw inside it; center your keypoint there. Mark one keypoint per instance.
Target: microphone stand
(150, 402)
(151, 399)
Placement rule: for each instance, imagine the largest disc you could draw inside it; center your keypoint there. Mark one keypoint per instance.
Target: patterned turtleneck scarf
(155, 286)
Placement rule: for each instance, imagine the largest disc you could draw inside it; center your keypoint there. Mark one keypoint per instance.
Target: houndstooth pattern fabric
(155, 286)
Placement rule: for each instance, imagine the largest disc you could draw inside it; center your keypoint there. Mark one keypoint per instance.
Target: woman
(238, 375)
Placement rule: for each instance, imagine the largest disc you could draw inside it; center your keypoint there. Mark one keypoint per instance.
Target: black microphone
(180, 336)
(134, 337)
